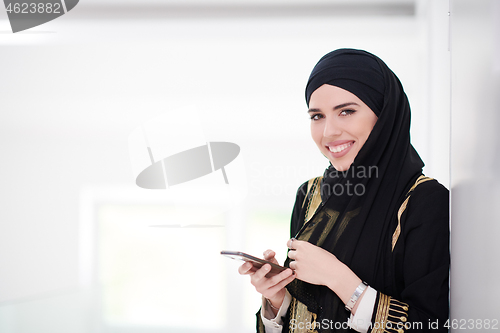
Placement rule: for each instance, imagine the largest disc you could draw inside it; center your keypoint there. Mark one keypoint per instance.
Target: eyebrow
(340, 106)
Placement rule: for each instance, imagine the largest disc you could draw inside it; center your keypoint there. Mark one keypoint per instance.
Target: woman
(370, 238)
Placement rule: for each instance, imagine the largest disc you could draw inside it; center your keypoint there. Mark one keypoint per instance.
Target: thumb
(269, 256)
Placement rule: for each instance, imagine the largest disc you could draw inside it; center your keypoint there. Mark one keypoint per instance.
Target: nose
(332, 127)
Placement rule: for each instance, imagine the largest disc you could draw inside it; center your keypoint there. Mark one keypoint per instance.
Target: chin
(341, 167)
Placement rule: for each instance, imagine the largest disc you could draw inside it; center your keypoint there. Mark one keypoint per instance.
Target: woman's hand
(312, 263)
(315, 265)
(272, 288)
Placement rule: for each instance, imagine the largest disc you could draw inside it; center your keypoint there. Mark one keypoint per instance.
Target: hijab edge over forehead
(356, 71)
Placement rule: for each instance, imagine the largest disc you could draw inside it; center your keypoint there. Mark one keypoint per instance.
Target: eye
(347, 112)
(316, 116)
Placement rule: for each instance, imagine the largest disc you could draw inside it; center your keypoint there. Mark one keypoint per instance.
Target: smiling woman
(369, 250)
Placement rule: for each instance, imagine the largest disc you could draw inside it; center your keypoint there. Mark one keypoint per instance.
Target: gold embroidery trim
(310, 183)
(332, 219)
(315, 200)
(420, 180)
(345, 221)
(300, 314)
(293, 314)
(389, 317)
(401, 210)
(382, 312)
(315, 324)
(397, 232)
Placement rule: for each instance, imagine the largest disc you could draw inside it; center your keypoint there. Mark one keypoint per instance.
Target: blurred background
(83, 249)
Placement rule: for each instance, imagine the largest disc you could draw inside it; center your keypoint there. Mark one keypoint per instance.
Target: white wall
(475, 161)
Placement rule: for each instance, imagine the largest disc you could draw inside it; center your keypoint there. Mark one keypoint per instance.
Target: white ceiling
(246, 2)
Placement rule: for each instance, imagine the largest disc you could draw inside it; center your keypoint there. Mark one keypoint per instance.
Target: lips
(339, 148)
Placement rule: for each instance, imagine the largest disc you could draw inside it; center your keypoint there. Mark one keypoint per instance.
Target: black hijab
(383, 171)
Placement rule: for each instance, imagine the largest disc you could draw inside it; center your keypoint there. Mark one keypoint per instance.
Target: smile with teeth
(338, 149)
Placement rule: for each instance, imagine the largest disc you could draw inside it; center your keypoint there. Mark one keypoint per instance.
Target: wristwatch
(354, 298)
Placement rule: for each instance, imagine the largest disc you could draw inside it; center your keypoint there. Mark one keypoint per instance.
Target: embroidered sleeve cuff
(390, 315)
(274, 324)
(362, 319)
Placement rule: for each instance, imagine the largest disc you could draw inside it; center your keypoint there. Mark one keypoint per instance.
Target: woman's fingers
(262, 272)
(294, 244)
(295, 247)
(269, 256)
(282, 284)
(268, 286)
(246, 268)
(260, 277)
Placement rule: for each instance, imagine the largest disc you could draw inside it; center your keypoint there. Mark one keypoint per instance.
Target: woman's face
(340, 124)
